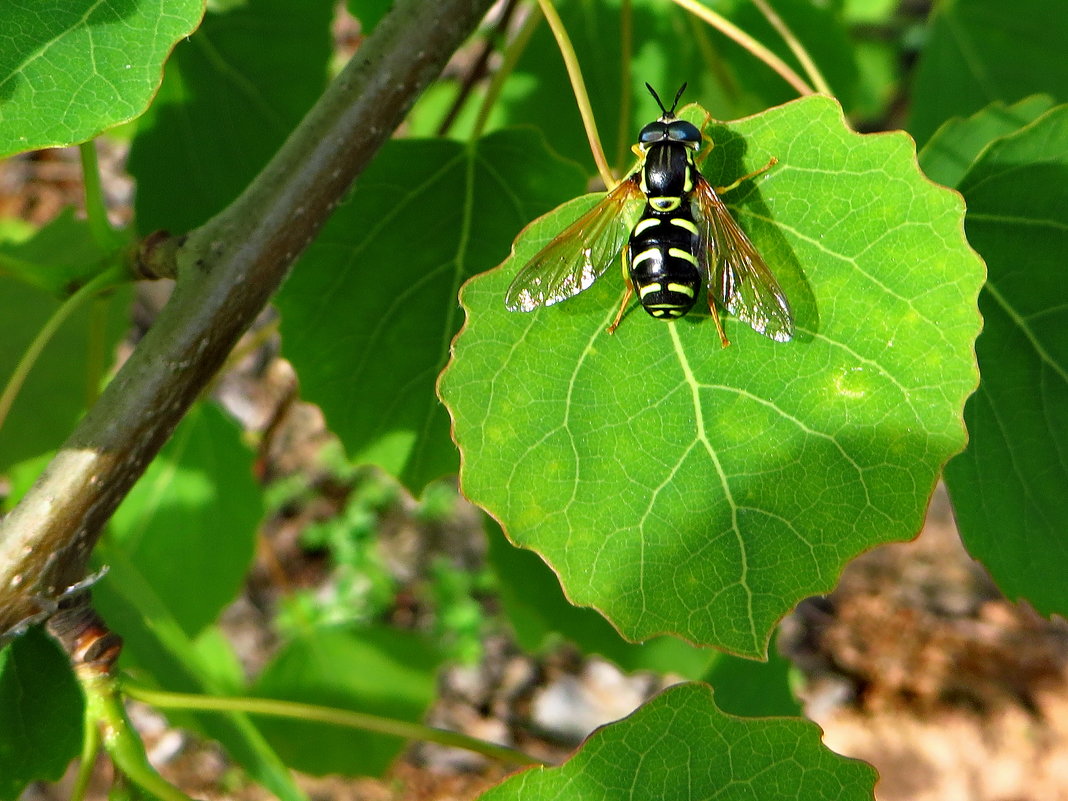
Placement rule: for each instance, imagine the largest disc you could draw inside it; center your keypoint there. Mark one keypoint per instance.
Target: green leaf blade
(381, 672)
(981, 51)
(1008, 487)
(680, 747)
(58, 386)
(41, 711)
(669, 481)
(190, 522)
(368, 322)
(231, 95)
(950, 153)
(70, 69)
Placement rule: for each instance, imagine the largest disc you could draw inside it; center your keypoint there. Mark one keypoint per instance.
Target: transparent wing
(738, 278)
(578, 255)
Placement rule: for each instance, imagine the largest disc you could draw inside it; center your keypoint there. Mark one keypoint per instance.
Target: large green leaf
(41, 710)
(979, 51)
(680, 487)
(680, 747)
(376, 671)
(1009, 487)
(368, 314)
(189, 524)
(63, 379)
(70, 69)
(231, 95)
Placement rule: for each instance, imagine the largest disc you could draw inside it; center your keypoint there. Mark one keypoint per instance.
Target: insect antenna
(656, 97)
(678, 96)
(674, 105)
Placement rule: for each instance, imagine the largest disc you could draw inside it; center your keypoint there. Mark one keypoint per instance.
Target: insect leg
(706, 137)
(723, 189)
(715, 318)
(626, 297)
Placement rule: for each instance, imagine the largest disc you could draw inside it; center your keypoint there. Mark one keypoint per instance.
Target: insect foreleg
(723, 189)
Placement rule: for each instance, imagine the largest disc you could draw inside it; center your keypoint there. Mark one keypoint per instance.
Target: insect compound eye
(682, 131)
(653, 132)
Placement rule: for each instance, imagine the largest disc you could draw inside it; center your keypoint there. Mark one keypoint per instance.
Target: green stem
(95, 209)
(90, 747)
(626, 49)
(33, 352)
(16, 266)
(732, 31)
(798, 49)
(336, 717)
(578, 86)
(104, 708)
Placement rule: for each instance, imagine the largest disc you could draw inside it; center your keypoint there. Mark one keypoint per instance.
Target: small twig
(749, 43)
(512, 54)
(478, 68)
(798, 49)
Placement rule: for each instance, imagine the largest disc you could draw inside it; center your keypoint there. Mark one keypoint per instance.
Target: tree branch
(228, 269)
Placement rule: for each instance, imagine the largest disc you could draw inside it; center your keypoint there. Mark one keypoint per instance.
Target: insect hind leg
(627, 295)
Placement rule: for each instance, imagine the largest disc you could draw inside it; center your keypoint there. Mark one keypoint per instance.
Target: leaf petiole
(582, 98)
(337, 717)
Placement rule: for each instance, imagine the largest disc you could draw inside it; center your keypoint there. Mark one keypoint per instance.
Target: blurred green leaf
(370, 310)
(189, 524)
(953, 149)
(878, 79)
(1008, 487)
(369, 12)
(65, 375)
(70, 69)
(669, 482)
(166, 657)
(178, 550)
(981, 51)
(754, 689)
(58, 258)
(382, 672)
(680, 747)
(41, 711)
(231, 95)
(539, 613)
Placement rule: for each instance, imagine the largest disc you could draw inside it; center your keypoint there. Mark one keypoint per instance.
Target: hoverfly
(685, 235)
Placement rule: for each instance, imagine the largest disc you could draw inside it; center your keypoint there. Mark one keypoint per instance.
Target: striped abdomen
(663, 264)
